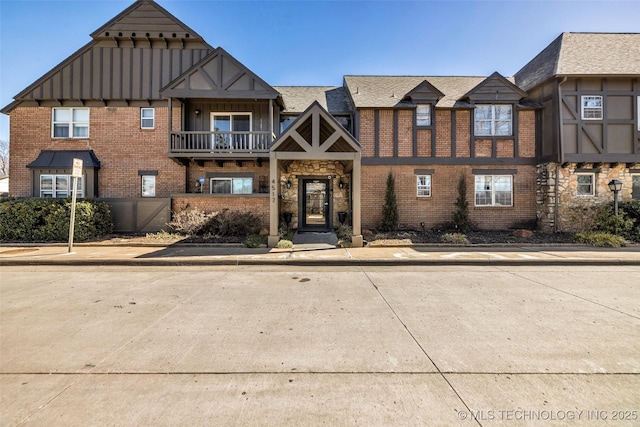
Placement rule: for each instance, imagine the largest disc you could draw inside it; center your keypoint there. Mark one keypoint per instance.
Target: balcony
(214, 145)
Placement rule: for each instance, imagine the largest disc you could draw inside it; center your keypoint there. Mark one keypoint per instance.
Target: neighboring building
(165, 122)
(589, 85)
(4, 185)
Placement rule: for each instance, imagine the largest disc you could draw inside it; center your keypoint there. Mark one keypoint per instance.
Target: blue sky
(317, 42)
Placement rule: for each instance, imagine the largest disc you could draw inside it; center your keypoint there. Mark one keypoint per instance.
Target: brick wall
(438, 208)
(117, 140)
(405, 133)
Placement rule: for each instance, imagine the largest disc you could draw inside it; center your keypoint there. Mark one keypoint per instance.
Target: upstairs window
(285, 122)
(147, 118)
(592, 107)
(70, 123)
(423, 115)
(494, 190)
(493, 120)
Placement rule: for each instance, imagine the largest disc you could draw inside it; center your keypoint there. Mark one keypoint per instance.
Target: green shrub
(344, 233)
(455, 238)
(47, 220)
(285, 233)
(284, 244)
(626, 224)
(390, 209)
(460, 217)
(255, 241)
(599, 239)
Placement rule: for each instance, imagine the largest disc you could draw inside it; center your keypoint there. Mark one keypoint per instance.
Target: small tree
(461, 214)
(390, 208)
(4, 157)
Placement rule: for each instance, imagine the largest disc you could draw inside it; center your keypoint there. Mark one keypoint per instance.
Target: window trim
(54, 176)
(423, 115)
(593, 184)
(492, 120)
(594, 109)
(425, 186)
(152, 118)
(70, 123)
(230, 179)
(493, 191)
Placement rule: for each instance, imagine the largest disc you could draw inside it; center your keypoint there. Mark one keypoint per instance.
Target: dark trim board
(447, 161)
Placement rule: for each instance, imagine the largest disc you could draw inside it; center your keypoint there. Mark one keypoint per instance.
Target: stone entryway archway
(315, 141)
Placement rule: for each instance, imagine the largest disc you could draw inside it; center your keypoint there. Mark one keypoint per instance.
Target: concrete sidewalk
(309, 254)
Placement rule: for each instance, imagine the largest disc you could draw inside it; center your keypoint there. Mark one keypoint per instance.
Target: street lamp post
(615, 186)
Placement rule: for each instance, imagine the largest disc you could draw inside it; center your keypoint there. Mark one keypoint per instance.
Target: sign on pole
(75, 175)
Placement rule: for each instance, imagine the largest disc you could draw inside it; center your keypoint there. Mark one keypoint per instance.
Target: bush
(47, 220)
(603, 240)
(255, 241)
(626, 224)
(455, 238)
(344, 233)
(390, 209)
(285, 233)
(225, 223)
(284, 244)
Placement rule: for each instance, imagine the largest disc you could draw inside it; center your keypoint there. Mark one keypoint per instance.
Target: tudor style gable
(495, 89)
(221, 76)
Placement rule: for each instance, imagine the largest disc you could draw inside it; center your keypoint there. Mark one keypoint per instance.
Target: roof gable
(495, 88)
(219, 75)
(316, 133)
(145, 19)
(425, 92)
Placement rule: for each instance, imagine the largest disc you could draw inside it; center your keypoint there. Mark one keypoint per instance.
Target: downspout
(561, 155)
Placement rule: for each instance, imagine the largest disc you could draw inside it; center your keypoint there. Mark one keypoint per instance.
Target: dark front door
(315, 212)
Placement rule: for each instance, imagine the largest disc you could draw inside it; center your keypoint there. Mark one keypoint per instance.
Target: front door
(315, 212)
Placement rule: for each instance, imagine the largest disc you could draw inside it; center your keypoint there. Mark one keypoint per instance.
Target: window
(585, 184)
(231, 185)
(234, 130)
(635, 187)
(493, 120)
(59, 186)
(285, 122)
(70, 123)
(494, 190)
(148, 186)
(147, 118)
(592, 108)
(423, 185)
(423, 115)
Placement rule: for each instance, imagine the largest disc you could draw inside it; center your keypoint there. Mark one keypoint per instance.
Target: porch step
(314, 240)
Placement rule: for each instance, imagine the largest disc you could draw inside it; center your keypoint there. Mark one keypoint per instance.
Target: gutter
(561, 154)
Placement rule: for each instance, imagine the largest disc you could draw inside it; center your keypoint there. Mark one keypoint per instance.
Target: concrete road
(274, 345)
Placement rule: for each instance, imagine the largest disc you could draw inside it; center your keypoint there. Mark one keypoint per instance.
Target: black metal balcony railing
(220, 143)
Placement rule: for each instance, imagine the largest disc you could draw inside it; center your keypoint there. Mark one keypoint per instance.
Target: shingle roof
(297, 99)
(388, 91)
(583, 54)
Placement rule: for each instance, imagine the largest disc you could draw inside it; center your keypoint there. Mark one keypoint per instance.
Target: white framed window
(234, 131)
(423, 115)
(147, 118)
(231, 185)
(494, 190)
(70, 123)
(59, 186)
(493, 120)
(591, 107)
(635, 187)
(423, 185)
(585, 185)
(148, 186)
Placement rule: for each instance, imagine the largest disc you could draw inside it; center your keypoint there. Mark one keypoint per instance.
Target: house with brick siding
(164, 122)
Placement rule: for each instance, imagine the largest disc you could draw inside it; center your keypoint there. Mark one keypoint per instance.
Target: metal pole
(615, 203)
(73, 212)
